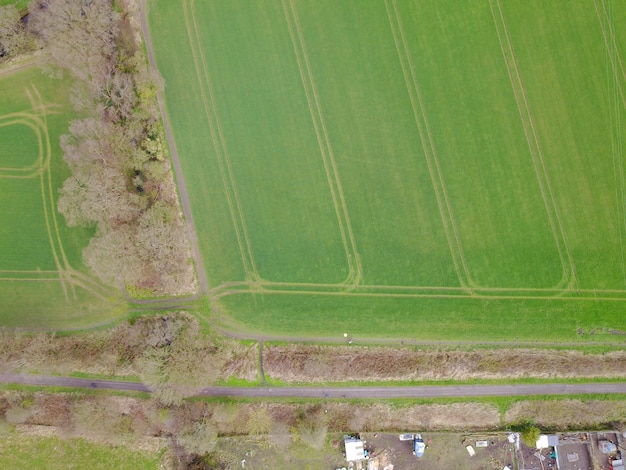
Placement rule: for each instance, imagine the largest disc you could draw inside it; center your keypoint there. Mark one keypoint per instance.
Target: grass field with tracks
(43, 283)
(404, 169)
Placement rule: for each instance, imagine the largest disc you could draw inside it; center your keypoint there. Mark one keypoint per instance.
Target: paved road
(423, 391)
(56, 381)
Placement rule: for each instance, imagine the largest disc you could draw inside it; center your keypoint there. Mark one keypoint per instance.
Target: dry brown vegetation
(104, 419)
(564, 414)
(193, 428)
(301, 363)
(163, 350)
(14, 39)
(120, 419)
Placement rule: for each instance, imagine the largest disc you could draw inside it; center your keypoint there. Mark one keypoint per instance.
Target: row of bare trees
(121, 182)
(14, 38)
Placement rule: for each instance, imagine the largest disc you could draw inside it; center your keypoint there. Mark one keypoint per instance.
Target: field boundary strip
(205, 86)
(330, 166)
(565, 296)
(534, 146)
(428, 145)
(390, 291)
(67, 276)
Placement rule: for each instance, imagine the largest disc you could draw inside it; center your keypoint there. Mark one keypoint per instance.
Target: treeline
(168, 352)
(14, 37)
(121, 181)
(189, 432)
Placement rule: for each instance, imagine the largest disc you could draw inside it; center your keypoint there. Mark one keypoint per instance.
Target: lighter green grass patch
(19, 451)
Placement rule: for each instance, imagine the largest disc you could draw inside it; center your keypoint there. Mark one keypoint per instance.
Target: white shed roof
(354, 449)
(546, 441)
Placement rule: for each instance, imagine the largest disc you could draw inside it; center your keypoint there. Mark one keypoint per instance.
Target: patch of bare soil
(444, 450)
(304, 363)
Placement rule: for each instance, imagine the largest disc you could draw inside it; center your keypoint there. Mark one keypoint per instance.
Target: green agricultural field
(18, 3)
(19, 451)
(43, 283)
(404, 169)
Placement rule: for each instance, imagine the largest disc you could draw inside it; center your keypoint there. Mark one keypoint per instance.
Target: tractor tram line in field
(65, 275)
(608, 33)
(613, 55)
(204, 80)
(453, 243)
(35, 120)
(434, 292)
(534, 147)
(330, 166)
(430, 152)
(567, 289)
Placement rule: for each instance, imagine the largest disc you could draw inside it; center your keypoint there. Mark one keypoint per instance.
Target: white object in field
(406, 437)
(482, 444)
(470, 450)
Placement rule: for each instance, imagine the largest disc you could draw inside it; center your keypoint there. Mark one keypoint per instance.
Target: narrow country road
(420, 391)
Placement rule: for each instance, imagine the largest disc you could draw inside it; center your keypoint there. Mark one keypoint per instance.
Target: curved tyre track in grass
(375, 392)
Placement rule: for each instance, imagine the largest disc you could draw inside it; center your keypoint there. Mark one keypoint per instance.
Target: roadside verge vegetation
(192, 434)
(168, 352)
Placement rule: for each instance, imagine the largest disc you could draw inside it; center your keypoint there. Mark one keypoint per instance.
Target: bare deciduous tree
(79, 37)
(13, 37)
(200, 438)
(121, 180)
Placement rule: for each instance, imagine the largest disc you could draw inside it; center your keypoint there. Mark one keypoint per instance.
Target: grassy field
(19, 451)
(22, 4)
(43, 283)
(404, 169)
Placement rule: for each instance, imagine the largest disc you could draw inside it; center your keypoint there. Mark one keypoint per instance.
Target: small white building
(546, 441)
(355, 450)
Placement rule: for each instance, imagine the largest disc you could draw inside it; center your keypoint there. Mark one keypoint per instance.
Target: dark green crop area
(414, 169)
(43, 283)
